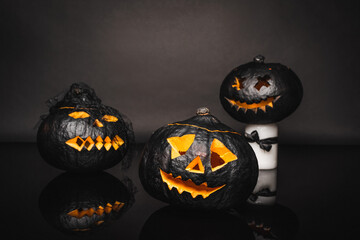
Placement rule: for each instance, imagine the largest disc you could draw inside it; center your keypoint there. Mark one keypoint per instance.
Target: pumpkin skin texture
(261, 93)
(194, 224)
(214, 167)
(81, 134)
(79, 203)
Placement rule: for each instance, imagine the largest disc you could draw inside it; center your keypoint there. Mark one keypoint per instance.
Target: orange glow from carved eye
(179, 145)
(110, 118)
(220, 155)
(77, 115)
(238, 83)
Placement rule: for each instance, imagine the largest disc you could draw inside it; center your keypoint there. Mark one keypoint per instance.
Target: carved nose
(98, 123)
(196, 166)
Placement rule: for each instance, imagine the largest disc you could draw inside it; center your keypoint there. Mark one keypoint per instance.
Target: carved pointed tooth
(277, 98)
(205, 195)
(194, 194)
(237, 107)
(204, 184)
(270, 104)
(170, 186)
(244, 110)
(232, 102)
(263, 108)
(90, 212)
(254, 109)
(100, 210)
(108, 208)
(180, 190)
(178, 177)
(74, 213)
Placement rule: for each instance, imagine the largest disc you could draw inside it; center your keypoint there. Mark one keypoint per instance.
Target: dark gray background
(157, 61)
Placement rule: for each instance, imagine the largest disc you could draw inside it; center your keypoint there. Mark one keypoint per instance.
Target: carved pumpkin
(193, 224)
(82, 134)
(258, 92)
(83, 203)
(199, 162)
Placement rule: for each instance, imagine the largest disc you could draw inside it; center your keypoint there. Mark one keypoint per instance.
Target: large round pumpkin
(260, 93)
(199, 162)
(82, 134)
(78, 203)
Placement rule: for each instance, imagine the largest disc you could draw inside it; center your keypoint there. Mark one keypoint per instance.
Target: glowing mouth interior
(253, 106)
(78, 143)
(91, 211)
(188, 185)
(99, 211)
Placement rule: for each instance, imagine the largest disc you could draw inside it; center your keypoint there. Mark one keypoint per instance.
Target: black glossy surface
(317, 197)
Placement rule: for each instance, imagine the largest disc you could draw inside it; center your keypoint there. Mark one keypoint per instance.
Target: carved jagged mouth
(99, 211)
(188, 185)
(253, 106)
(78, 143)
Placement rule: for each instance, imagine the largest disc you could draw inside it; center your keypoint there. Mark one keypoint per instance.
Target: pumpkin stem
(203, 111)
(259, 59)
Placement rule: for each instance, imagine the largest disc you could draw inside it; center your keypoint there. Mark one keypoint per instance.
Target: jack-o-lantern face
(261, 93)
(82, 134)
(76, 203)
(198, 163)
(98, 142)
(219, 157)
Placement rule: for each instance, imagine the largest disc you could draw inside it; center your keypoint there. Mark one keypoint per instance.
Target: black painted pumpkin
(78, 203)
(193, 224)
(82, 134)
(260, 93)
(199, 162)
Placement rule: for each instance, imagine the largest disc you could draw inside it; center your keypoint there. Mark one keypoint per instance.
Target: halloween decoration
(275, 222)
(199, 162)
(81, 134)
(84, 203)
(260, 94)
(263, 139)
(194, 224)
(264, 192)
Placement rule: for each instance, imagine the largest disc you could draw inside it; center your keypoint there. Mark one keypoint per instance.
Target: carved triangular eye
(179, 145)
(262, 81)
(110, 118)
(80, 114)
(220, 155)
(196, 166)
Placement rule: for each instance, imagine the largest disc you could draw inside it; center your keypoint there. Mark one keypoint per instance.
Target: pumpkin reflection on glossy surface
(260, 93)
(275, 222)
(81, 134)
(199, 163)
(193, 224)
(81, 203)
